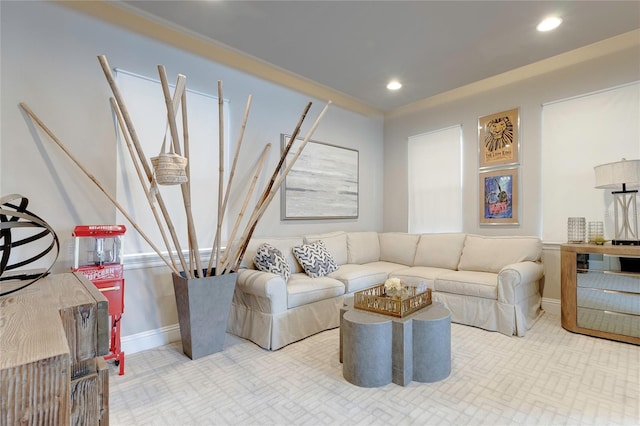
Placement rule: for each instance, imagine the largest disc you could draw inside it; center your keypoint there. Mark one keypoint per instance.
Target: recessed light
(394, 85)
(549, 23)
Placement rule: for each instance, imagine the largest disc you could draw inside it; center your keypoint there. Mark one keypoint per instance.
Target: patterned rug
(548, 377)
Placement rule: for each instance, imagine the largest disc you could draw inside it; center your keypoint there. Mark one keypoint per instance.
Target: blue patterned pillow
(270, 259)
(315, 259)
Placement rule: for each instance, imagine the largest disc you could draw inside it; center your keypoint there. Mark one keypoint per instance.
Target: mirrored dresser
(600, 293)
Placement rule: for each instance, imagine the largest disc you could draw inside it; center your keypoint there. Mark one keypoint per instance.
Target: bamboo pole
(53, 137)
(177, 96)
(257, 214)
(285, 153)
(172, 108)
(254, 180)
(216, 242)
(142, 178)
(274, 175)
(141, 156)
(187, 154)
(229, 182)
(243, 241)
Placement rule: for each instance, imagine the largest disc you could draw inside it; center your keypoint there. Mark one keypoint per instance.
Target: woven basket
(169, 168)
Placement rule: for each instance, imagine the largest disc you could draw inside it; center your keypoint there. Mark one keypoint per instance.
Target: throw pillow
(315, 259)
(270, 259)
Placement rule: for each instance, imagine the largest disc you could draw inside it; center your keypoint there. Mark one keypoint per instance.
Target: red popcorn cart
(98, 256)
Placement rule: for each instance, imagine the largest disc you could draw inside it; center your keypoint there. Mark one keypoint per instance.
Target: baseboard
(551, 305)
(150, 339)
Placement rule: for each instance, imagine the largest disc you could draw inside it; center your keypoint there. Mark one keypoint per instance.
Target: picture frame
(322, 184)
(499, 138)
(498, 196)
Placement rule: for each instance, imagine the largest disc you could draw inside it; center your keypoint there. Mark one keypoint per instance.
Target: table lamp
(623, 175)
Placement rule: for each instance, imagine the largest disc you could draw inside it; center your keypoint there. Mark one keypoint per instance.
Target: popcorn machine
(98, 256)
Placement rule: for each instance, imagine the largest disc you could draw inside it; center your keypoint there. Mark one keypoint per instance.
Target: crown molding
(124, 16)
(618, 43)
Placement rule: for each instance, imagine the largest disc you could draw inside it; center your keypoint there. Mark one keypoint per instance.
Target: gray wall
(49, 62)
(529, 94)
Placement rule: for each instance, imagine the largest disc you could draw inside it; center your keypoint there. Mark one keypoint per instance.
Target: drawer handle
(109, 288)
(621, 314)
(631, 293)
(622, 274)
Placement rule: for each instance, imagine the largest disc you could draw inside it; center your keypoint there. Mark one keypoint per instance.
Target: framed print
(498, 138)
(322, 184)
(499, 197)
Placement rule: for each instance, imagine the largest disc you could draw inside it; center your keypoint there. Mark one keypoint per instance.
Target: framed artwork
(499, 197)
(322, 184)
(498, 138)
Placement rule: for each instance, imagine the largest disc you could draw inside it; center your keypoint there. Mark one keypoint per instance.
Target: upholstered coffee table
(377, 349)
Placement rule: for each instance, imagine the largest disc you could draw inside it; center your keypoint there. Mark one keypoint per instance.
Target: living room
(49, 52)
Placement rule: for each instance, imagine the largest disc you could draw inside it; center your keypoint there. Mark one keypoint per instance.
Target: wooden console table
(600, 290)
(53, 335)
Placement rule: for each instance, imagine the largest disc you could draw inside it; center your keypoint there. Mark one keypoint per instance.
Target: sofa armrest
(262, 290)
(519, 281)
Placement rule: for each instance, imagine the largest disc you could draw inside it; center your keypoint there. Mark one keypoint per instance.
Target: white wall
(604, 71)
(49, 62)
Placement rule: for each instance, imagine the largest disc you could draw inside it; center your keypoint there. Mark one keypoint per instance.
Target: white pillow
(364, 247)
(336, 243)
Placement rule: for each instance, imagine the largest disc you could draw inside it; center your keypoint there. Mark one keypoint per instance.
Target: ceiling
(356, 47)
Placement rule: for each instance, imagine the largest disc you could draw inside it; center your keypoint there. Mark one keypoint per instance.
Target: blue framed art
(499, 197)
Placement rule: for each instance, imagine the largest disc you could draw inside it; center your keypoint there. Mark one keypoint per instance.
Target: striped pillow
(270, 259)
(315, 259)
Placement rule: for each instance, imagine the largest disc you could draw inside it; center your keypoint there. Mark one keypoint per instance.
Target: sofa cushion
(270, 259)
(386, 267)
(358, 277)
(302, 290)
(491, 254)
(336, 243)
(363, 247)
(439, 250)
(468, 283)
(415, 274)
(397, 247)
(315, 259)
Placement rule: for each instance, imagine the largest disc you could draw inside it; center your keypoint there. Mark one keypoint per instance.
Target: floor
(548, 377)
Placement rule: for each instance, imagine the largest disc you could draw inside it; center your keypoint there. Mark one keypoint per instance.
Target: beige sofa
(487, 282)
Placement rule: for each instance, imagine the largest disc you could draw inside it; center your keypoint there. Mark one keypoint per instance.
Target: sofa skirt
(490, 314)
(274, 331)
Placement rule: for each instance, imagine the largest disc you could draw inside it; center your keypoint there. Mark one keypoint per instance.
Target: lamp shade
(613, 175)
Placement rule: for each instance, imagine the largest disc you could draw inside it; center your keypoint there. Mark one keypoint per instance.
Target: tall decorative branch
(254, 180)
(54, 138)
(172, 109)
(141, 178)
(141, 156)
(259, 211)
(217, 237)
(229, 182)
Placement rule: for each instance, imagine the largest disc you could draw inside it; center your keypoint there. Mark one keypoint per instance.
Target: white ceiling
(356, 47)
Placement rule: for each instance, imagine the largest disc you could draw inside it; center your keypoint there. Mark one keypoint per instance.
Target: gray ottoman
(432, 344)
(367, 349)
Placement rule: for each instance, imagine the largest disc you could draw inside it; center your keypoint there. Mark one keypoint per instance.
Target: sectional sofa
(487, 282)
